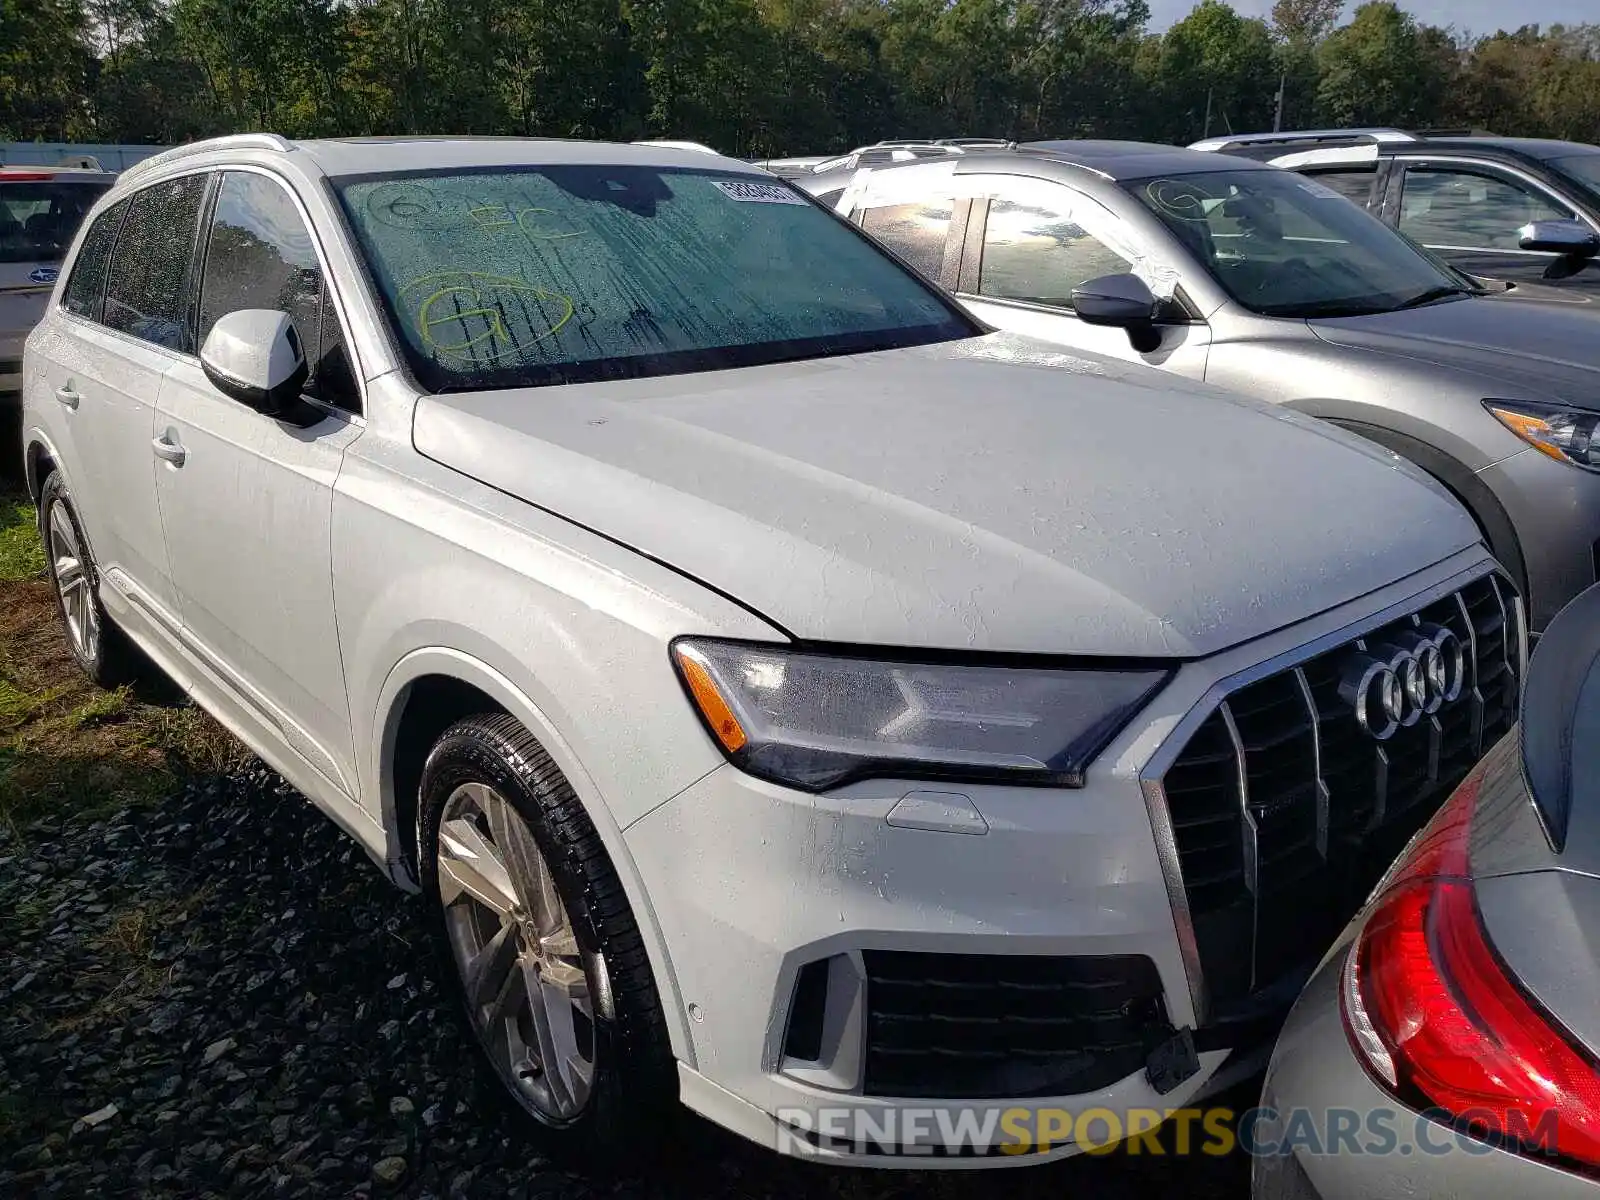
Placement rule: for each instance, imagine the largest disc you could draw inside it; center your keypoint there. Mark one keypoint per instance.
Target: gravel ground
(219, 996)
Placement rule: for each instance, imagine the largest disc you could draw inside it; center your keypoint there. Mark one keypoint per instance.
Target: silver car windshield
(559, 274)
(1285, 245)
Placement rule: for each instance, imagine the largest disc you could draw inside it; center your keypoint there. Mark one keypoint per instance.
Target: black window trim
(329, 284)
(1489, 169)
(99, 322)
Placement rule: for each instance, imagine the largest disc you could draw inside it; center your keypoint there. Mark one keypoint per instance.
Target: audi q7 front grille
(1286, 806)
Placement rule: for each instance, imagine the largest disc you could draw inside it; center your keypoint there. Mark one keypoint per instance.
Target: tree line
(760, 77)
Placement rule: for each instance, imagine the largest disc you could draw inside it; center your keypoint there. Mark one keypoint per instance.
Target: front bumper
(753, 882)
(1555, 510)
(819, 946)
(1326, 1130)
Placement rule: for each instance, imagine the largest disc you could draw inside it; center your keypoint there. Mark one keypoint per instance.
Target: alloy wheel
(71, 573)
(526, 982)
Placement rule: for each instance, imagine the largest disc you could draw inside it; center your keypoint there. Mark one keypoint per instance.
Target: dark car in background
(1525, 210)
(40, 211)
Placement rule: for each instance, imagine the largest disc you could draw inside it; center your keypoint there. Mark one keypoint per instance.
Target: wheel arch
(1463, 483)
(39, 458)
(426, 692)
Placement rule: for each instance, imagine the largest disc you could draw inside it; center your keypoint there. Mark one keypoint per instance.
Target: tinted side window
(145, 292)
(261, 255)
(1035, 253)
(1351, 183)
(1447, 207)
(916, 232)
(86, 285)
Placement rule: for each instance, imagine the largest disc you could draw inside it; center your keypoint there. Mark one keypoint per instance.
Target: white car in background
(791, 697)
(40, 211)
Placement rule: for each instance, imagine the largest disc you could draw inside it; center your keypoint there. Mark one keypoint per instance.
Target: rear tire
(542, 952)
(101, 650)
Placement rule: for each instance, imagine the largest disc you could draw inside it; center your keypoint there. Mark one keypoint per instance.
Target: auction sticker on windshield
(759, 193)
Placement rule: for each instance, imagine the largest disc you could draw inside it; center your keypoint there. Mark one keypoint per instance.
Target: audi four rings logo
(1395, 684)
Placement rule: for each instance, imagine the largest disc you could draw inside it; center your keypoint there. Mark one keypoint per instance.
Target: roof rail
(1303, 136)
(233, 141)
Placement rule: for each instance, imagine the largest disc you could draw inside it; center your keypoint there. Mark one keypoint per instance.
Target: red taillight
(15, 174)
(1438, 1020)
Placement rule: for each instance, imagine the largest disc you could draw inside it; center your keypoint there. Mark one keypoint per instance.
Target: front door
(1036, 241)
(246, 500)
(1472, 217)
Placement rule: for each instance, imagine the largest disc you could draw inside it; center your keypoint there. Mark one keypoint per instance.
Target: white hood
(937, 497)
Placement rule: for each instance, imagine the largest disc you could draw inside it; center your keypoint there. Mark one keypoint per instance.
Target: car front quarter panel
(437, 575)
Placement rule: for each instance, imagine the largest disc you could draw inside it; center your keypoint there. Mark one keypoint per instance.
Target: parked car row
(797, 694)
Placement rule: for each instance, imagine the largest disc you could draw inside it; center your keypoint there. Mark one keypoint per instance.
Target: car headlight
(1569, 435)
(814, 720)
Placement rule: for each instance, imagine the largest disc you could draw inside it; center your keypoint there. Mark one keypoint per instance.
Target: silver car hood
(936, 497)
(1528, 349)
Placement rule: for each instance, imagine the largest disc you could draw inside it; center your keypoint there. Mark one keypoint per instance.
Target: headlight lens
(1569, 435)
(816, 720)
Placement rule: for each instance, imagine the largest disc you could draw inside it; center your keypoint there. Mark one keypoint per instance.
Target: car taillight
(1440, 1023)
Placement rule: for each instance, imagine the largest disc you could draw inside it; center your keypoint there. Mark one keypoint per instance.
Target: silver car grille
(1284, 811)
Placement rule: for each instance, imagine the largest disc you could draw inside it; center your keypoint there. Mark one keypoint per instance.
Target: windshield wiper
(1432, 294)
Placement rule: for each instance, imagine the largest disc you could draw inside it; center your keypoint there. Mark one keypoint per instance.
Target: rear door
(112, 359)
(1472, 214)
(246, 500)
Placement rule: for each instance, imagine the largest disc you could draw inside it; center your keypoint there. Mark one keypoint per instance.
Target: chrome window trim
(1154, 771)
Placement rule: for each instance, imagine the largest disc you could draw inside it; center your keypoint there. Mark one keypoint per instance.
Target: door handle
(169, 451)
(68, 397)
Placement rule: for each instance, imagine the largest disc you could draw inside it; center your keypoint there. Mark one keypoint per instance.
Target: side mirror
(254, 356)
(1123, 301)
(1571, 239)
(1561, 714)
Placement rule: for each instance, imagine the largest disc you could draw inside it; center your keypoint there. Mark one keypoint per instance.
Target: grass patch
(67, 747)
(21, 554)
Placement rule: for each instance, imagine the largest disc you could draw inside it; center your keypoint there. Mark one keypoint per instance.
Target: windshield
(1288, 246)
(38, 217)
(1585, 168)
(562, 274)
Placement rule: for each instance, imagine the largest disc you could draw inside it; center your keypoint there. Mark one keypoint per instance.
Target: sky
(1469, 16)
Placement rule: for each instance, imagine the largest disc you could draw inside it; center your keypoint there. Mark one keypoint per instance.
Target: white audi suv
(793, 698)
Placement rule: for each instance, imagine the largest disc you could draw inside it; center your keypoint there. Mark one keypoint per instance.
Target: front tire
(101, 650)
(546, 961)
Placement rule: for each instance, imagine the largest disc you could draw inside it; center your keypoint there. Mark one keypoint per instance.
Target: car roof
(366, 155)
(381, 155)
(1135, 160)
(1533, 147)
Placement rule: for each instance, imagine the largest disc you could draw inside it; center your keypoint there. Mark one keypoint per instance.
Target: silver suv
(792, 699)
(1258, 280)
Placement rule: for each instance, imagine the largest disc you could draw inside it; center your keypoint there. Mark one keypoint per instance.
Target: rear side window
(1351, 184)
(145, 290)
(261, 255)
(916, 232)
(86, 285)
(40, 217)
